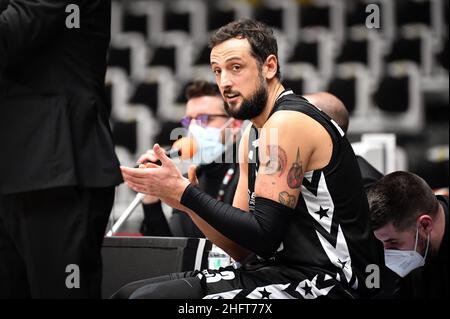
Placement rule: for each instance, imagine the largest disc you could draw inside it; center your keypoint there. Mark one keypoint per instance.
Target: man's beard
(252, 107)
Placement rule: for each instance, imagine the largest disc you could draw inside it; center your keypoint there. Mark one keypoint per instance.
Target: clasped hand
(165, 182)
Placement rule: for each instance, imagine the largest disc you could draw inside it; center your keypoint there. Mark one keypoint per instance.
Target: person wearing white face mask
(214, 133)
(412, 222)
(209, 141)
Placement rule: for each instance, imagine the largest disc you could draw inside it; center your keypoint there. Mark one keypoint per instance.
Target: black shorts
(260, 281)
(248, 282)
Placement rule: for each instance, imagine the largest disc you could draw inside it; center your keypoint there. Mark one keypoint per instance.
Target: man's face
(239, 78)
(392, 238)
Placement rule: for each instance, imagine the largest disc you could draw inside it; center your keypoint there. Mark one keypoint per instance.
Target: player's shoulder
(290, 119)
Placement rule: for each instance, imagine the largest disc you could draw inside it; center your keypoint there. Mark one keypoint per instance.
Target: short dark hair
(400, 198)
(259, 35)
(201, 88)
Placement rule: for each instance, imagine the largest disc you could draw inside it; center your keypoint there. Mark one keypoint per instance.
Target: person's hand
(164, 182)
(149, 199)
(148, 156)
(145, 161)
(192, 175)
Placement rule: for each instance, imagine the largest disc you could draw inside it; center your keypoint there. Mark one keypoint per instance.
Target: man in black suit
(58, 169)
(3, 4)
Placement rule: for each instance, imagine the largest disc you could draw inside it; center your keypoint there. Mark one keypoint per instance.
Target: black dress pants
(183, 285)
(50, 242)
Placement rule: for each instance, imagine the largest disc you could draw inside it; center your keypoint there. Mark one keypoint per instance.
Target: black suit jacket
(3, 4)
(54, 128)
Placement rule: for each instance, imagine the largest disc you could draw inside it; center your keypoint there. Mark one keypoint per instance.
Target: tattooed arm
(290, 144)
(302, 143)
(240, 201)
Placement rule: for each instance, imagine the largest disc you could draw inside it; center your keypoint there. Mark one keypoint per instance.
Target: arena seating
(393, 79)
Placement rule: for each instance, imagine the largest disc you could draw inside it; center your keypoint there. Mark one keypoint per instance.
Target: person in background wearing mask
(206, 121)
(412, 222)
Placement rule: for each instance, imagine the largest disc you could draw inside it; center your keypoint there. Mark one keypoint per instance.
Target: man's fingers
(147, 158)
(135, 175)
(151, 165)
(136, 188)
(160, 154)
(134, 180)
(192, 175)
(134, 172)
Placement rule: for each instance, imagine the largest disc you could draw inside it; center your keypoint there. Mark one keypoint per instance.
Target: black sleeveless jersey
(330, 235)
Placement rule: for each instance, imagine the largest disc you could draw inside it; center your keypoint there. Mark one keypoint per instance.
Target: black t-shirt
(329, 235)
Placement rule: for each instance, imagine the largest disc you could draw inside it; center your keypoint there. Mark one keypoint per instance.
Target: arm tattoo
(294, 178)
(277, 160)
(287, 199)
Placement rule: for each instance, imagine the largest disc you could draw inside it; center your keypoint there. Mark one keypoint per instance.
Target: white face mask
(403, 262)
(209, 142)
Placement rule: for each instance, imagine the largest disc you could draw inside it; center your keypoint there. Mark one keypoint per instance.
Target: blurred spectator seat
(146, 94)
(121, 58)
(279, 14)
(129, 51)
(387, 31)
(219, 14)
(139, 22)
(351, 84)
(325, 15)
(443, 55)
(414, 46)
(398, 102)
(427, 13)
(315, 50)
(186, 16)
(363, 48)
(301, 78)
(145, 17)
(175, 53)
(117, 89)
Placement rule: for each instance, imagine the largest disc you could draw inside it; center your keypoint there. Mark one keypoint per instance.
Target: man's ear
(426, 223)
(270, 67)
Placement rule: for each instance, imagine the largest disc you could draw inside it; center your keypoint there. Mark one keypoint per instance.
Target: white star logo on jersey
(309, 290)
(338, 255)
(275, 291)
(317, 196)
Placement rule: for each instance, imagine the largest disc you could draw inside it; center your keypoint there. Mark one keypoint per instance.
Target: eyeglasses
(202, 119)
